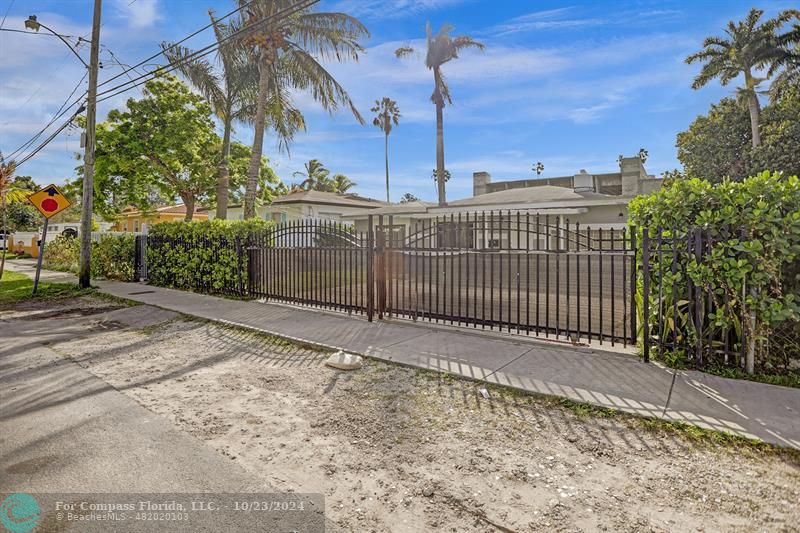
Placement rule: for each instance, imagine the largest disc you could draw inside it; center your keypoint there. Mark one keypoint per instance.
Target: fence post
(380, 267)
(633, 285)
(698, 299)
(238, 245)
(646, 293)
(137, 258)
(370, 268)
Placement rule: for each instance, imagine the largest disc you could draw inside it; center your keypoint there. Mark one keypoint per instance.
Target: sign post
(50, 201)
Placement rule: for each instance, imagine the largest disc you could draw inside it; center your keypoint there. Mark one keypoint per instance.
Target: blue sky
(571, 84)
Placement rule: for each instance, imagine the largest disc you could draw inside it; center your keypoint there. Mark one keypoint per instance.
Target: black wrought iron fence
(679, 322)
(530, 274)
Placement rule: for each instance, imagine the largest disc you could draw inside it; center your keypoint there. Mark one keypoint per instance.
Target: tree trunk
(5, 236)
(440, 176)
(223, 173)
(755, 117)
(386, 152)
(258, 142)
(754, 106)
(188, 201)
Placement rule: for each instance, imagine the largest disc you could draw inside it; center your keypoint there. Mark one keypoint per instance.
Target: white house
(306, 205)
(599, 200)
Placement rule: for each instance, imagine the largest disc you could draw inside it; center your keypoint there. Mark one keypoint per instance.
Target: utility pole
(88, 158)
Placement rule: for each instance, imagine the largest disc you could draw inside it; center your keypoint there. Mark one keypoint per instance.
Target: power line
(58, 114)
(204, 28)
(167, 68)
(49, 139)
(201, 52)
(6, 14)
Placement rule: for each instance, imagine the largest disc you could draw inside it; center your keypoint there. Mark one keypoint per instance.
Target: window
(136, 226)
(455, 235)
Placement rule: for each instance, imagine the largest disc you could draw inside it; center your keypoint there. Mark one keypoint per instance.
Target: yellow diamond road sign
(50, 201)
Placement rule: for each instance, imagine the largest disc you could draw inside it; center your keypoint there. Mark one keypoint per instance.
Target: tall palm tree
(8, 194)
(341, 184)
(229, 84)
(441, 49)
(750, 46)
(288, 51)
(388, 115)
(224, 84)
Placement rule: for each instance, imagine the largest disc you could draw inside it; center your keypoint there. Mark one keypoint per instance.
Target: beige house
(307, 205)
(599, 200)
(131, 219)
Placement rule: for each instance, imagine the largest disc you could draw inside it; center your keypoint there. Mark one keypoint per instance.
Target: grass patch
(15, 288)
(688, 432)
(789, 379)
(679, 361)
(10, 256)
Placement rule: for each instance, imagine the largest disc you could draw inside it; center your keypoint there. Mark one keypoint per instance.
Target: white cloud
(387, 9)
(544, 20)
(139, 13)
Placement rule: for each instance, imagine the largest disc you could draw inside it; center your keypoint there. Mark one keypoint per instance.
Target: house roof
(532, 195)
(407, 208)
(179, 209)
(327, 198)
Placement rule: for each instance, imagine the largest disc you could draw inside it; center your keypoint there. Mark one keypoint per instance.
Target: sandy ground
(394, 449)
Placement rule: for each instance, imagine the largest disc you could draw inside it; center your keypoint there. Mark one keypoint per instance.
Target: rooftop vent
(583, 182)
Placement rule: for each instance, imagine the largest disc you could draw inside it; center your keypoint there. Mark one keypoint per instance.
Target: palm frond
(200, 73)
(404, 51)
(307, 74)
(329, 35)
(463, 42)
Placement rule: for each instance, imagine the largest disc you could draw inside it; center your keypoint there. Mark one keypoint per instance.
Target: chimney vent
(583, 182)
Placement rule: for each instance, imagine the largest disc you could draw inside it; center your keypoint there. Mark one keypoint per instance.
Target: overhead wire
(173, 65)
(169, 67)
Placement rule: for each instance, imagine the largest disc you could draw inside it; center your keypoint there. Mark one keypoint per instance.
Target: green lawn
(16, 287)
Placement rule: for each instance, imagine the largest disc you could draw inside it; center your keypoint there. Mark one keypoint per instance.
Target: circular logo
(20, 513)
(49, 205)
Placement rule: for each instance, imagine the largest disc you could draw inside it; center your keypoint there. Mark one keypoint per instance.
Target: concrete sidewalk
(623, 382)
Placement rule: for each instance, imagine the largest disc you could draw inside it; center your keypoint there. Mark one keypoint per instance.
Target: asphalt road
(63, 430)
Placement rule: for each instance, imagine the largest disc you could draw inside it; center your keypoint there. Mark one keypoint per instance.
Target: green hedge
(754, 263)
(207, 256)
(112, 256)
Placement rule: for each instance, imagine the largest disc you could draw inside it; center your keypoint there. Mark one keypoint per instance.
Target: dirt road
(396, 449)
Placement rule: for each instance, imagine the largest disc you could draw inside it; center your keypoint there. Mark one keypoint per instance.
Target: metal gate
(314, 262)
(511, 271)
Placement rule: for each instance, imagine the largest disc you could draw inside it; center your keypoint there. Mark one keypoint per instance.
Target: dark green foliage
(23, 217)
(719, 145)
(207, 256)
(112, 256)
(752, 266)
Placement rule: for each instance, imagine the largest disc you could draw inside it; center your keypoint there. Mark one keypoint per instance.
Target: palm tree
(341, 184)
(788, 64)
(750, 46)
(9, 193)
(225, 84)
(315, 177)
(388, 115)
(441, 49)
(287, 50)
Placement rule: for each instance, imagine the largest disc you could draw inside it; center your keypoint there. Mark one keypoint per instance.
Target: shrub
(752, 264)
(62, 254)
(112, 256)
(209, 256)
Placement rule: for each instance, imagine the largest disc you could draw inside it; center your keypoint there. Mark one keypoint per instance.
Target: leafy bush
(112, 256)
(752, 267)
(63, 254)
(208, 256)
